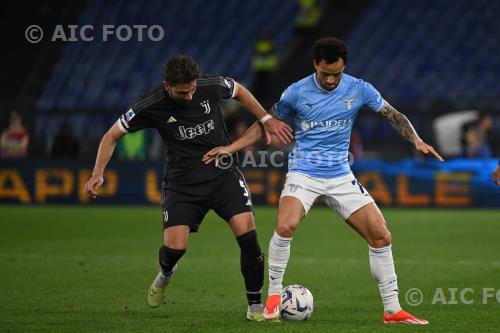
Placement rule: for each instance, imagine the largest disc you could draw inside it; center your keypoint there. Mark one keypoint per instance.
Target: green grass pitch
(87, 269)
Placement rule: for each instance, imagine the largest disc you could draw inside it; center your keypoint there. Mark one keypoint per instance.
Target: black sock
(168, 258)
(252, 265)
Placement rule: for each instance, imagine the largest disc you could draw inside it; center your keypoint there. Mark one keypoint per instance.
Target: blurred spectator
(15, 138)
(307, 19)
(476, 137)
(65, 144)
(132, 147)
(264, 63)
(448, 131)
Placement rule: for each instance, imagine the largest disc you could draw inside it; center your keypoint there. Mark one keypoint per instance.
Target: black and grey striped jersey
(188, 130)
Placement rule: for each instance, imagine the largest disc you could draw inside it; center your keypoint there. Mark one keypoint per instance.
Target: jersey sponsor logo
(348, 102)
(326, 125)
(129, 114)
(197, 130)
(171, 120)
(206, 106)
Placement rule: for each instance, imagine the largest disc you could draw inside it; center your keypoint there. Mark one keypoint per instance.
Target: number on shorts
(245, 191)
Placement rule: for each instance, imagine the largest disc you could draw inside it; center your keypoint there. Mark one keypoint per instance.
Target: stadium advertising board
(405, 183)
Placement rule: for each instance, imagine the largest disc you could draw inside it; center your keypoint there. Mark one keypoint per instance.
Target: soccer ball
(296, 303)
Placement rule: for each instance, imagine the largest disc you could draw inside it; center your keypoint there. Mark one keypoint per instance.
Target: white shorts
(345, 194)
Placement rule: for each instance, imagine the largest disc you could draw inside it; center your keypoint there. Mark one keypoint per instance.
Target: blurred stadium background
(435, 61)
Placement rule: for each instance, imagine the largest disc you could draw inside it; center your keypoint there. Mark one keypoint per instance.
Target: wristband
(265, 118)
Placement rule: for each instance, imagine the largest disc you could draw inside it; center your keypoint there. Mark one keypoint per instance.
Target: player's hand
(280, 129)
(496, 175)
(426, 149)
(93, 185)
(215, 153)
(267, 137)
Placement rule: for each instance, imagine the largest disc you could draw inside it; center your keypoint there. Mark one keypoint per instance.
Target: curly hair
(181, 69)
(329, 49)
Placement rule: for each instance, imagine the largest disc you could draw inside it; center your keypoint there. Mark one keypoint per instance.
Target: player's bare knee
(175, 244)
(285, 230)
(381, 241)
(242, 223)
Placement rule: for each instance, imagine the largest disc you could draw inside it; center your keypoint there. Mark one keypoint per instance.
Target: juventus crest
(206, 106)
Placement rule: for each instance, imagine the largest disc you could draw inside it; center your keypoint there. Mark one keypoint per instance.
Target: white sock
(382, 267)
(162, 280)
(279, 252)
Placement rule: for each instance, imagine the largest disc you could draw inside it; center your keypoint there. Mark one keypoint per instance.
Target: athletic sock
(252, 266)
(168, 260)
(382, 267)
(279, 253)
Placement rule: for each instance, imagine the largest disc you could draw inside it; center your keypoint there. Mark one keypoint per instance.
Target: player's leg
(181, 214)
(369, 222)
(290, 212)
(231, 200)
(357, 208)
(174, 246)
(251, 256)
(298, 195)
(251, 262)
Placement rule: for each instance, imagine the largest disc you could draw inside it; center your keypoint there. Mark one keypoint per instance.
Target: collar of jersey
(323, 89)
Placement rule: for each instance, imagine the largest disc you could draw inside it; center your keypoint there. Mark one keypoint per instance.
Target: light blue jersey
(323, 122)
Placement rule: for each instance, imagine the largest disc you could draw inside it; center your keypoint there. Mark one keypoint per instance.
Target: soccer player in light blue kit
(323, 107)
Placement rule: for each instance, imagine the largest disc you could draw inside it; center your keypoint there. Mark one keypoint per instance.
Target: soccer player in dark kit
(186, 111)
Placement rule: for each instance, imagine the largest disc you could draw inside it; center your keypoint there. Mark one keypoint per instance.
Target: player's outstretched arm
(274, 126)
(403, 126)
(104, 153)
(252, 135)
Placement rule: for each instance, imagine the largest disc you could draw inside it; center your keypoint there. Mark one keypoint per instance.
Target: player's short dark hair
(329, 49)
(181, 69)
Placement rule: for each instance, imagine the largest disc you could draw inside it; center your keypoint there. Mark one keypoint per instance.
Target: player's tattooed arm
(399, 122)
(403, 126)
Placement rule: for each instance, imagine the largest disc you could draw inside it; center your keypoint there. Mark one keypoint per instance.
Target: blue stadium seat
(431, 53)
(108, 75)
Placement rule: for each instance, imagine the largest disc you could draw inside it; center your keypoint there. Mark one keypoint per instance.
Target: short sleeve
(286, 105)
(225, 87)
(132, 121)
(372, 97)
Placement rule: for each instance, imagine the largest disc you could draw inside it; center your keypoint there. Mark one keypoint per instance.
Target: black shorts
(227, 195)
